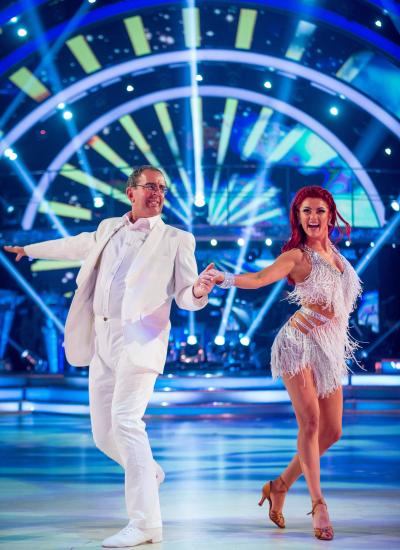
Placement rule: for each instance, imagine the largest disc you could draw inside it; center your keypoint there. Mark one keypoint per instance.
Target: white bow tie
(142, 224)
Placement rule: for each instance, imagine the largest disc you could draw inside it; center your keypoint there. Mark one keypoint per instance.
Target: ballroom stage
(60, 493)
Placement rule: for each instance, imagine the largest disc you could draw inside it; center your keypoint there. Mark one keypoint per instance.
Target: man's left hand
(205, 282)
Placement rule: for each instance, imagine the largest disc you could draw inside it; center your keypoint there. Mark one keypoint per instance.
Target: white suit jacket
(163, 269)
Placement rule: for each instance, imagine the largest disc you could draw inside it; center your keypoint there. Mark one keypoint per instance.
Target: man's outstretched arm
(67, 248)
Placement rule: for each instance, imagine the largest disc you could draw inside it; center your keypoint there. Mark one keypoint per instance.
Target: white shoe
(132, 536)
(160, 475)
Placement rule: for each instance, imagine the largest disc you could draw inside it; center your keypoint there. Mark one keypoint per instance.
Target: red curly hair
(298, 235)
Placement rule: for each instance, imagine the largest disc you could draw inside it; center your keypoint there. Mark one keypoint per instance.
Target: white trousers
(119, 393)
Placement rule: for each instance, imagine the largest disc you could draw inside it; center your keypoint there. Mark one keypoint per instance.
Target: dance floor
(59, 492)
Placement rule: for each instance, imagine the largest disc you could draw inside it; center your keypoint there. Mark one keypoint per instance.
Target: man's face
(147, 202)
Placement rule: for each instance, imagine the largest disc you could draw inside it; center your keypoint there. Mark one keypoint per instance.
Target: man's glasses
(154, 187)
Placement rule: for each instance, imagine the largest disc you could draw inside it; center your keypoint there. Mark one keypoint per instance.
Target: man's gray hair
(137, 172)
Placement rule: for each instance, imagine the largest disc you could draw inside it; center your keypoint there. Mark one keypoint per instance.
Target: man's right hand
(18, 250)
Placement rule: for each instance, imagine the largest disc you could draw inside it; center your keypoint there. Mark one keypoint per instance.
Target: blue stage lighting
(372, 244)
(29, 184)
(67, 115)
(378, 23)
(347, 243)
(219, 340)
(98, 202)
(384, 237)
(199, 78)
(240, 241)
(395, 205)
(61, 106)
(130, 88)
(213, 242)
(245, 341)
(22, 32)
(268, 241)
(334, 111)
(14, 20)
(192, 340)
(273, 295)
(30, 291)
(267, 84)
(388, 151)
(199, 200)
(8, 152)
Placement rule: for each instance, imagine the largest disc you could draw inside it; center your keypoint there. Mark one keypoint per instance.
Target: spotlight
(8, 152)
(192, 340)
(14, 20)
(378, 23)
(267, 84)
(213, 242)
(98, 202)
(219, 340)
(92, 1)
(130, 88)
(372, 244)
(334, 111)
(22, 32)
(199, 201)
(61, 106)
(393, 245)
(240, 241)
(13, 156)
(245, 341)
(67, 115)
(395, 205)
(347, 243)
(199, 78)
(388, 151)
(268, 241)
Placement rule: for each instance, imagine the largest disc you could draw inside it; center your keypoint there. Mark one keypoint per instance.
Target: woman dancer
(310, 350)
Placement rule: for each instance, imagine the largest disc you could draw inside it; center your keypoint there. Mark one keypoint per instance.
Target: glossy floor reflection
(59, 492)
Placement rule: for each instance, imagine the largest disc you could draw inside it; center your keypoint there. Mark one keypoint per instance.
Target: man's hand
(18, 250)
(205, 282)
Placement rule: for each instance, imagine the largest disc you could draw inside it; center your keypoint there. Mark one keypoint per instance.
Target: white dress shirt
(116, 259)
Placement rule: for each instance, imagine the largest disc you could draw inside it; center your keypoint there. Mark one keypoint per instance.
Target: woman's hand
(218, 277)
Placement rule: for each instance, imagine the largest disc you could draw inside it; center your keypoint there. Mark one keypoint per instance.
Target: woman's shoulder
(295, 254)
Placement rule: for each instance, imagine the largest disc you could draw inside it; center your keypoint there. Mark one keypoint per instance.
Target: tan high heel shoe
(321, 533)
(274, 516)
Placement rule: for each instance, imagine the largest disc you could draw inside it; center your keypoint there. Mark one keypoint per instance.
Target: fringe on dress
(324, 348)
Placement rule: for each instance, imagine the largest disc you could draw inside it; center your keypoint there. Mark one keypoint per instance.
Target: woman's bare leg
(330, 430)
(306, 406)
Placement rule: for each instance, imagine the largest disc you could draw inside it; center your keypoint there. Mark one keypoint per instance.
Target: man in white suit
(118, 323)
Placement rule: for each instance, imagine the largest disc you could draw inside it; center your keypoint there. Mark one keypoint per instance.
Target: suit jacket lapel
(92, 262)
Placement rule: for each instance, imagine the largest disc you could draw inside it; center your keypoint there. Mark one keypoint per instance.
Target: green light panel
(83, 54)
(137, 35)
(29, 84)
(245, 30)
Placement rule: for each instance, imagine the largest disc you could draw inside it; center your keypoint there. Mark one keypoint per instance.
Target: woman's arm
(281, 268)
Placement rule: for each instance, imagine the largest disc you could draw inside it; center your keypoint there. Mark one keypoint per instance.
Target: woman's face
(314, 217)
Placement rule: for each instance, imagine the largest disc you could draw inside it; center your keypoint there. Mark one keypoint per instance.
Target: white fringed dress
(323, 344)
